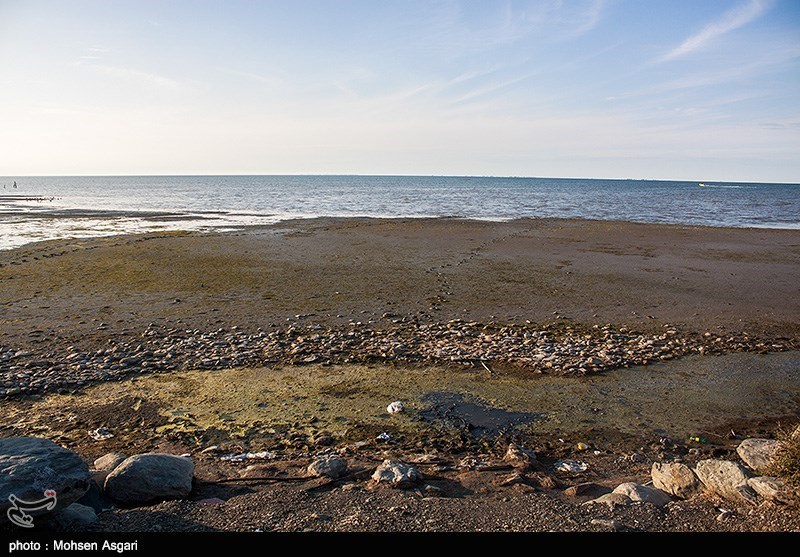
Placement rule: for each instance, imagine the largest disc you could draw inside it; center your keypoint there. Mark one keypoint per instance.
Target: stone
(726, 479)
(725, 515)
(433, 491)
(394, 473)
(512, 479)
(587, 489)
(543, 481)
(95, 497)
(772, 489)
(109, 461)
(211, 501)
(150, 477)
(76, 516)
(519, 457)
(757, 454)
(610, 524)
(638, 492)
(676, 479)
(29, 466)
(395, 407)
(611, 499)
(329, 466)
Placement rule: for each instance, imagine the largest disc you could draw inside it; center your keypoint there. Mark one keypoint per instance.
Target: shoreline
(277, 221)
(178, 342)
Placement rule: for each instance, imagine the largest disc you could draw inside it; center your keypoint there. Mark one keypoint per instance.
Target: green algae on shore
(254, 406)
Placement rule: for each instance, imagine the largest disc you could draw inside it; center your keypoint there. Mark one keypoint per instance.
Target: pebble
(552, 349)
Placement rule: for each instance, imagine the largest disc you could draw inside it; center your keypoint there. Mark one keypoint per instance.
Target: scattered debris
(571, 466)
(101, 434)
(241, 457)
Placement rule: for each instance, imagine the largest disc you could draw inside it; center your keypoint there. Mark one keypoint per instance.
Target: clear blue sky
(696, 90)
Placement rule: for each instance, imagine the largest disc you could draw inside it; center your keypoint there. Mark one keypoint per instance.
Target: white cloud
(732, 19)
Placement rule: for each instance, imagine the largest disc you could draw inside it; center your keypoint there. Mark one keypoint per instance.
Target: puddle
(472, 416)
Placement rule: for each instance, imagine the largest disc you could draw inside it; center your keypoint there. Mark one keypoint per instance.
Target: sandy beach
(293, 338)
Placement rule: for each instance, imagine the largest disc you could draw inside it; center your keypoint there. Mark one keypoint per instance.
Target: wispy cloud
(490, 88)
(732, 19)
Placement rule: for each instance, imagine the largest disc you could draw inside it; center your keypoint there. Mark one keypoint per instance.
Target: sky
(674, 90)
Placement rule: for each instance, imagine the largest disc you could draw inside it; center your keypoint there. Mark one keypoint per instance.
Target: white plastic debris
(241, 457)
(384, 437)
(571, 466)
(396, 407)
(101, 434)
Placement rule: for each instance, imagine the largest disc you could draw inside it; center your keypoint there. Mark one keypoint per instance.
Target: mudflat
(332, 271)
(613, 344)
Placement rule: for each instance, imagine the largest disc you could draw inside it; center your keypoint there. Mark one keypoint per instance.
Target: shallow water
(104, 205)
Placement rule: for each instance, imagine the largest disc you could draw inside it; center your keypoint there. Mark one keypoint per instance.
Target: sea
(46, 208)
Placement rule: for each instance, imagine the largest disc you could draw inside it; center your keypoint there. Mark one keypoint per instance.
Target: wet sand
(332, 271)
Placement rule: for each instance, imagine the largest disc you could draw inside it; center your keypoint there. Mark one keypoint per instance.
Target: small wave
(724, 187)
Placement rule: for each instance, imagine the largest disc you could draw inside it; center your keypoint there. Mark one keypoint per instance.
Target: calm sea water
(97, 205)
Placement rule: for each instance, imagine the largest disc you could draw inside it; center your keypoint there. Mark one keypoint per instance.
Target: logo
(17, 513)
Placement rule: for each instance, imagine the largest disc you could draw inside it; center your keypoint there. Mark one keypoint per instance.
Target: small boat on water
(702, 185)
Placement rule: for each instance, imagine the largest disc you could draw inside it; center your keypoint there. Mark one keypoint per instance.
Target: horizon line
(340, 175)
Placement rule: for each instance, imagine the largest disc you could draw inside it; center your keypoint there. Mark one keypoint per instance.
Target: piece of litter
(241, 457)
(101, 434)
(572, 466)
(396, 407)
(384, 437)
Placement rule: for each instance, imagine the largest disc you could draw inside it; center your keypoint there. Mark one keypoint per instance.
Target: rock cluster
(31, 466)
(722, 478)
(544, 349)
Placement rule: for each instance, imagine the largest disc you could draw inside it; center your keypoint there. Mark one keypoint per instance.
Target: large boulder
(29, 466)
(393, 473)
(726, 479)
(757, 454)
(150, 477)
(637, 492)
(676, 479)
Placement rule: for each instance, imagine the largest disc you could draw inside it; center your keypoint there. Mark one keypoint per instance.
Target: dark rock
(29, 466)
(587, 489)
(76, 517)
(150, 477)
